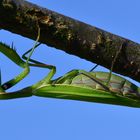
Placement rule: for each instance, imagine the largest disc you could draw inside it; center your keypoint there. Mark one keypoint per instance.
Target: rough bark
(72, 36)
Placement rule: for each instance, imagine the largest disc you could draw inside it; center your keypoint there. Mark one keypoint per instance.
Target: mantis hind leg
(112, 65)
(113, 62)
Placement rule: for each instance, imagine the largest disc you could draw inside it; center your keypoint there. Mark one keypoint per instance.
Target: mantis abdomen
(116, 84)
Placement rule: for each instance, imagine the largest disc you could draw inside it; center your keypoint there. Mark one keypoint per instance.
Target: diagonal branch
(72, 36)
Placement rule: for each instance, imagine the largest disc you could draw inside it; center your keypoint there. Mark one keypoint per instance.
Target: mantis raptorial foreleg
(12, 54)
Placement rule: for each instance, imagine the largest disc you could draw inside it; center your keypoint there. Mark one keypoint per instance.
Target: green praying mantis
(100, 87)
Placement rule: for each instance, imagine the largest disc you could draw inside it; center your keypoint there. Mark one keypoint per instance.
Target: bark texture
(72, 36)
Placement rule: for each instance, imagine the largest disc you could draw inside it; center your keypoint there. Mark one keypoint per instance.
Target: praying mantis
(100, 87)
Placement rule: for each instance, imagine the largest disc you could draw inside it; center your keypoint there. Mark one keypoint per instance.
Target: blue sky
(42, 118)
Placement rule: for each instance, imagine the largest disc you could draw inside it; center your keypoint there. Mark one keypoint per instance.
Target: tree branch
(72, 36)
